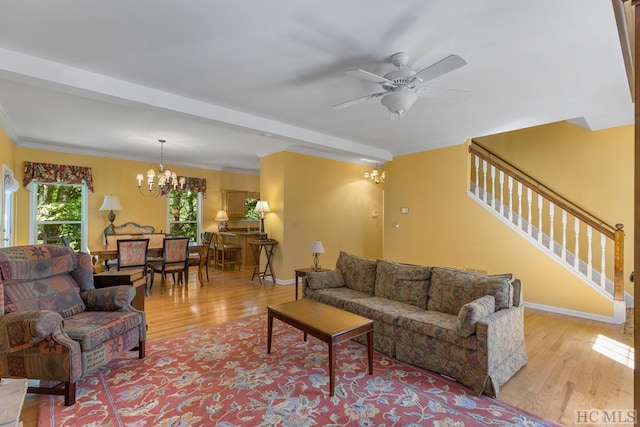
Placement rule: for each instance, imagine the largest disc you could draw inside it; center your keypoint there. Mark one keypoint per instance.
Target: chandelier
(375, 175)
(166, 179)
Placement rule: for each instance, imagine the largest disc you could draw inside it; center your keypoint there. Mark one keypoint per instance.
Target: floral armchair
(54, 325)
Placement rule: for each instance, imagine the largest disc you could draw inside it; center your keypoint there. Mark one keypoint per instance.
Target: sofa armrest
(27, 328)
(112, 298)
(501, 334)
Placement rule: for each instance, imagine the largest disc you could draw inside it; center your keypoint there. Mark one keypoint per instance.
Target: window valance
(195, 185)
(50, 173)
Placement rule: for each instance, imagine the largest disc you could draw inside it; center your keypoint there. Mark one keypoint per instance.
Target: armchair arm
(112, 298)
(27, 328)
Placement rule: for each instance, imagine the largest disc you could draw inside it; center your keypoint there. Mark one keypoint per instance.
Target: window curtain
(50, 173)
(195, 185)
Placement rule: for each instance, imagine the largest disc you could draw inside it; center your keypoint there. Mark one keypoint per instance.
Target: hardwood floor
(565, 373)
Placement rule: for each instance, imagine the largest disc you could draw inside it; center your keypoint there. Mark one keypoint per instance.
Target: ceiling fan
(402, 86)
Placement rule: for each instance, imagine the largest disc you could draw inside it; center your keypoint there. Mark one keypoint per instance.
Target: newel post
(618, 267)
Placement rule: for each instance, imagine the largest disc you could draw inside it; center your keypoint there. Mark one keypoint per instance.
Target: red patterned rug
(223, 376)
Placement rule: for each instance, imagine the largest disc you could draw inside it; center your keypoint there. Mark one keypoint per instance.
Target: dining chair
(225, 254)
(133, 253)
(175, 259)
(207, 241)
(66, 241)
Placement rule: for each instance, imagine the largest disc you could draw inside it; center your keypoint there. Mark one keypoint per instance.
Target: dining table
(105, 253)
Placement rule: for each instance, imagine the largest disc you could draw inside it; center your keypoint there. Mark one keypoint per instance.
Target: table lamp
(110, 203)
(222, 219)
(262, 207)
(316, 249)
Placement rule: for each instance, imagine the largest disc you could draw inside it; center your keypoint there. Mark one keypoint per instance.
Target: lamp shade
(262, 206)
(316, 247)
(222, 216)
(111, 203)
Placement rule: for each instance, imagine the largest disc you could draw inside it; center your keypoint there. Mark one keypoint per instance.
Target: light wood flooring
(564, 373)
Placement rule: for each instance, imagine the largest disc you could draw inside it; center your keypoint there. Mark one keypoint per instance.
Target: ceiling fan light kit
(402, 85)
(399, 102)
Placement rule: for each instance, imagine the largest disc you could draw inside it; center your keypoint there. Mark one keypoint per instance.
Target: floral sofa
(54, 325)
(464, 325)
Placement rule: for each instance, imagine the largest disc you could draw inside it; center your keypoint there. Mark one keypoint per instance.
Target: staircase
(584, 244)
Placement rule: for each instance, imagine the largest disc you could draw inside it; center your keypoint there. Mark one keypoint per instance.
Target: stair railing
(504, 188)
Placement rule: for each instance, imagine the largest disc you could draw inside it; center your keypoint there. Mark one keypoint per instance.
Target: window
(185, 213)
(59, 210)
(249, 206)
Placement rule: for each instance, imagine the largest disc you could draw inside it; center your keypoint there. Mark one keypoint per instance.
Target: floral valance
(50, 173)
(195, 185)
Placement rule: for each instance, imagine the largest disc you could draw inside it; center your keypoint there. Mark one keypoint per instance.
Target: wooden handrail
(543, 190)
(615, 233)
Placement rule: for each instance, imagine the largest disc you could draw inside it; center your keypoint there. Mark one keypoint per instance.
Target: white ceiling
(211, 76)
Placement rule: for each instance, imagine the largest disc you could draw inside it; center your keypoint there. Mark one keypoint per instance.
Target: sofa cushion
(325, 279)
(451, 289)
(380, 309)
(336, 297)
(471, 312)
(405, 283)
(58, 293)
(91, 328)
(434, 324)
(34, 262)
(358, 273)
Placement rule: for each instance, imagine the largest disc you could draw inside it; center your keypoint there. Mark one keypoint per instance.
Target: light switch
(374, 214)
(404, 210)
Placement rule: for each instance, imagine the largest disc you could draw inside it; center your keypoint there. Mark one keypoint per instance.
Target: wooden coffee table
(328, 324)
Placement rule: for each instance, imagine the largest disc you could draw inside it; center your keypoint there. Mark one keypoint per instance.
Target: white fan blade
(436, 92)
(358, 100)
(362, 74)
(441, 67)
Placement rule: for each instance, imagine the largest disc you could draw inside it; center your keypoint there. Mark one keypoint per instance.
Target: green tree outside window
(59, 213)
(183, 213)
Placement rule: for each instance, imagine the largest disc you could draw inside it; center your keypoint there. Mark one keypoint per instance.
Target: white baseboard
(574, 313)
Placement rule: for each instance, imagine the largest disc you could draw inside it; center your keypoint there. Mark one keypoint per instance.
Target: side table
(12, 394)
(301, 272)
(133, 277)
(267, 246)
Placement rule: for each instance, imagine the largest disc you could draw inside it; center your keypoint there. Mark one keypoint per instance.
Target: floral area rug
(223, 376)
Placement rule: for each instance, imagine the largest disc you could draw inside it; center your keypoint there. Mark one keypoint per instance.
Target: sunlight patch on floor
(614, 350)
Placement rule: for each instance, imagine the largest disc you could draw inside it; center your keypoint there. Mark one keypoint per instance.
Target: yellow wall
(594, 169)
(313, 198)
(445, 227)
(115, 176)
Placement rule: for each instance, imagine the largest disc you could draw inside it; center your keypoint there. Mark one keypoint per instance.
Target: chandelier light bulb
(164, 178)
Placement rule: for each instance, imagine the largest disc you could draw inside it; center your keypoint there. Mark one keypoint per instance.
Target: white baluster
(564, 235)
(540, 206)
(493, 186)
(603, 270)
(529, 202)
(551, 214)
(589, 252)
(510, 186)
(576, 249)
(484, 181)
(520, 205)
(477, 163)
(502, 193)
